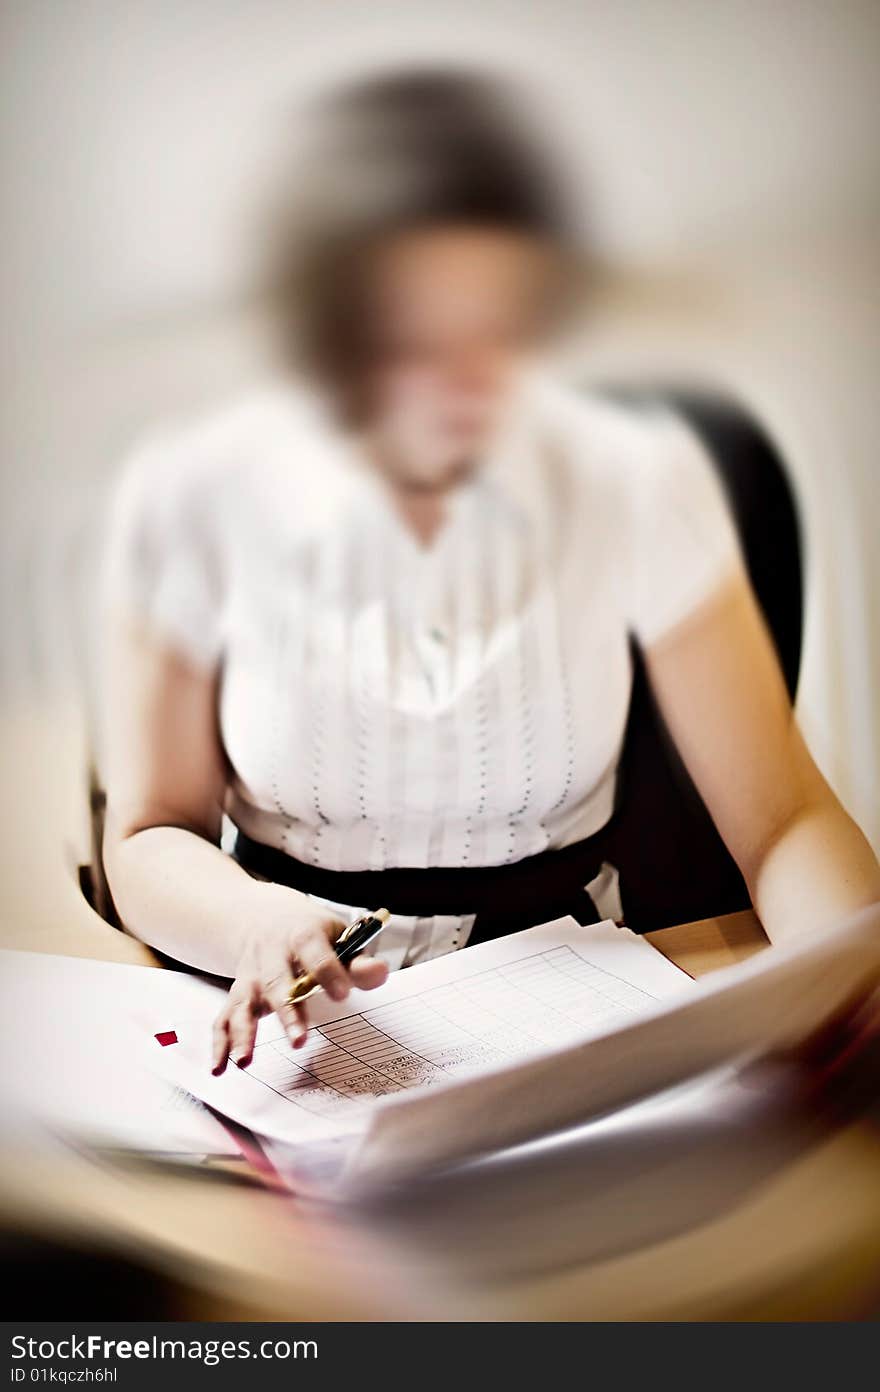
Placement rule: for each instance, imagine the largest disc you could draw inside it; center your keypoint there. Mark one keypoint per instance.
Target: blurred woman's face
(451, 315)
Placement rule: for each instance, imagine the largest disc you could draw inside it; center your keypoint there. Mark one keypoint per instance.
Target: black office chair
(673, 865)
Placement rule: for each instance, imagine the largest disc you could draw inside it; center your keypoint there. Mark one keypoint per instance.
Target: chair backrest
(674, 867)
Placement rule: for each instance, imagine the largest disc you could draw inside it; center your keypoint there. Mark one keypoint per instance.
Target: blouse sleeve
(161, 563)
(685, 543)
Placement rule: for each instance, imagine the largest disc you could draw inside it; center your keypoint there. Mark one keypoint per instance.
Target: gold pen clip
(303, 986)
(347, 932)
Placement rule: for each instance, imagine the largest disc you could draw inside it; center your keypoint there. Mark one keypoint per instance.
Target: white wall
(733, 152)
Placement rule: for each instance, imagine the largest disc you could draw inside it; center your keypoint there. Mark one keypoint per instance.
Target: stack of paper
(75, 1058)
(462, 1056)
(515, 1039)
(478, 1014)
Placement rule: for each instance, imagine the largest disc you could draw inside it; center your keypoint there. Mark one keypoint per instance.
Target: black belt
(504, 898)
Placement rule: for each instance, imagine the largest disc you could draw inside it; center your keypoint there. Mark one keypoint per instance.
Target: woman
(381, 618)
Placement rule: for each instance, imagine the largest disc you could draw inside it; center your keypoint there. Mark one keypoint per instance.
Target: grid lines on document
(546, 999)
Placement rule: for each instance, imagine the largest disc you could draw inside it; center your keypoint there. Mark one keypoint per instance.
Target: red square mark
(167, 1037)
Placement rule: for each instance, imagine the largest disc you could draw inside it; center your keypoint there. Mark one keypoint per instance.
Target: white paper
(771, 1002)
(469, 1054)
(74, 1058)
(604, 1049)
(467, 1014)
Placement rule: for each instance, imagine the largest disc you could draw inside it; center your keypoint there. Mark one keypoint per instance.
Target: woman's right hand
(293, 936)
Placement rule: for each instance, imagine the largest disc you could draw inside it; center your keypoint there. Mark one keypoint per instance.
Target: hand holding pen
(297, 949)
(351, 942)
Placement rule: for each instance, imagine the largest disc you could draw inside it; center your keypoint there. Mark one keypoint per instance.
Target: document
(517, 1000)
(473, 1053)
(513, 1040)
(465, 1015)
(75, 1061)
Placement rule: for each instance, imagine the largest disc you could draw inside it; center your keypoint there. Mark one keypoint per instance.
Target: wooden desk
(804, 1244)
(711, 943)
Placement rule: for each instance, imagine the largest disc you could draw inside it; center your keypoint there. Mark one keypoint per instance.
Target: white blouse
(387, 704)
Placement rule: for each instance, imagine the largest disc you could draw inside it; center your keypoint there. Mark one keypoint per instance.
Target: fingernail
(218, 1068)
(241, 1060)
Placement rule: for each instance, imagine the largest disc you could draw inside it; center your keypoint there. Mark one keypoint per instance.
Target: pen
(350, 943)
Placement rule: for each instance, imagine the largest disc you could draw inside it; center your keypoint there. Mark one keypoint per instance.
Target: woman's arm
(173, 886)
(722, 694)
